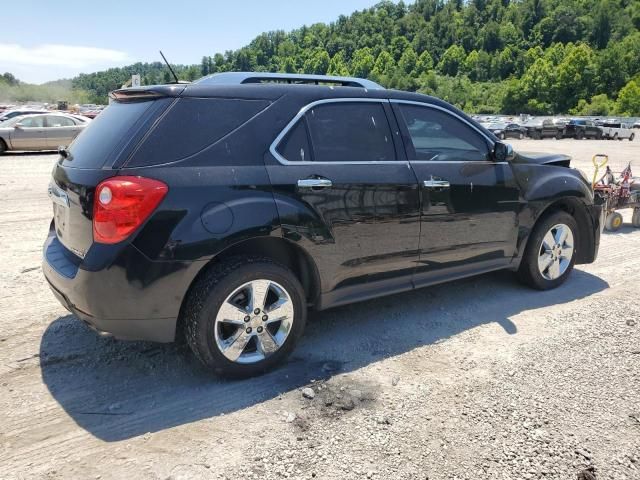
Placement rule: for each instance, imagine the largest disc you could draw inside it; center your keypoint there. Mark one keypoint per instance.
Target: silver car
(40, 132)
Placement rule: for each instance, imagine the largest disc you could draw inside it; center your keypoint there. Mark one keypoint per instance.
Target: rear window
(191, 125)
(105, 137)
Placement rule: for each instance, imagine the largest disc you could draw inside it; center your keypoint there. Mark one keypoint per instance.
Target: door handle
(436, 184)
(315, 183)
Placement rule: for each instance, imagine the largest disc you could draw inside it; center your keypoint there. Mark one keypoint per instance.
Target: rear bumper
(131, 297)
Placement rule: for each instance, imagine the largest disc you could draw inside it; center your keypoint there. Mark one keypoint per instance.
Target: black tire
(615, 136)
(559, 136)
(579, 135)
(613, 222)
(3, 146)
(529, 273)
(631, 137)
(211, 291)
(635, 218)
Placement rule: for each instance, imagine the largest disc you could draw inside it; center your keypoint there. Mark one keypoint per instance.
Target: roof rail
(237, 78)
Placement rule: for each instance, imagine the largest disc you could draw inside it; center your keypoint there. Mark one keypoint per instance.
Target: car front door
(29, 134)
(469, 203)
(60, 131)
(346, 194)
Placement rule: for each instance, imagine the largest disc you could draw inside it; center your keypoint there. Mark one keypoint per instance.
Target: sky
(43, 40)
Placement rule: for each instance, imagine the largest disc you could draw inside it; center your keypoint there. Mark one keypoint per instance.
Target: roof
(238, 78)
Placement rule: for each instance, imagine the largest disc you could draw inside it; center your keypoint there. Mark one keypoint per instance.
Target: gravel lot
(479, 379)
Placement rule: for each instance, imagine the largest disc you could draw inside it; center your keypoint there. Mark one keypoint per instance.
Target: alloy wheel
(254, 321)
(556, 252)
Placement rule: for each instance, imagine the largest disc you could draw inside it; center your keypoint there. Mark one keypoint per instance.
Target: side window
(58, 121)
(439, 136)
(348, 132)
(33, 122)
(295, 145)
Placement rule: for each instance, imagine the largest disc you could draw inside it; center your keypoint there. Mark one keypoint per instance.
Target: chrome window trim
(273, 148)
(453, 114)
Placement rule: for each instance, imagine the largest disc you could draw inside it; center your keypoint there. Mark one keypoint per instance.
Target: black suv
(221, 210)
(580, 128)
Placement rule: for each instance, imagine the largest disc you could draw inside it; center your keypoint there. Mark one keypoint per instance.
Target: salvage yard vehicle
(16, 112)
(579, 128)
(548, 128)
(40, 132)
(293, 192)
(614, 130)
(507, 130)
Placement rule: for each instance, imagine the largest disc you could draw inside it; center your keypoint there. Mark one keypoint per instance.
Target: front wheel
(3, 147)
(550, 254)
(635, 218)
(520, 135)
(633, 135)
(245, 316)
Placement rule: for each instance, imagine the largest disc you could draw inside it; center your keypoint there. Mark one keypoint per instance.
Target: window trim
(305, 109)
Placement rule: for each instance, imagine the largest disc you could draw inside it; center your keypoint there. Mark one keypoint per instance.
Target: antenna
(170, 69)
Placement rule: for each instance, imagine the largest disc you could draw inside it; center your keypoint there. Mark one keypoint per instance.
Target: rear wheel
(633, 135)
(615, 136)
(521, 135)
(635, 218)
(579, 135)
(550, 254)
(3, 146)
(245, 316)
(559, 136)
(613, 222)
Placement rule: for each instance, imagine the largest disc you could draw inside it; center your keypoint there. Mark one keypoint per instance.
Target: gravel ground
(478, 379)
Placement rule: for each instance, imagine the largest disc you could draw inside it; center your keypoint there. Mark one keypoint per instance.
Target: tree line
(485, 56)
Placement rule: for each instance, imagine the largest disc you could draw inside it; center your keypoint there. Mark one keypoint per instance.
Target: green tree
(362, 62)
(408, 61)
(425, 63)
(338, 66)
(317, 63)
(384, 66)
(452, 60)
(628, 102)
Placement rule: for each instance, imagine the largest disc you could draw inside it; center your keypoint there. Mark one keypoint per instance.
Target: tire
(631, 137)
(520, 136)
(613, 221)
(615, 136)
(503, 136)
(3, 146)
(211, 337)
(559, 136)
(635, 218)
(538, 265)
(579, 135)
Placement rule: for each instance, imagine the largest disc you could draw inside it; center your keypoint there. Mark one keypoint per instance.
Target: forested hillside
(535, 56)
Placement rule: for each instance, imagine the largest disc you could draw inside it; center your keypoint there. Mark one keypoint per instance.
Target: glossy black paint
(377, 230)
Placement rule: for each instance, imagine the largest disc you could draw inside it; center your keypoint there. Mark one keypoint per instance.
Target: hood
(555, 159)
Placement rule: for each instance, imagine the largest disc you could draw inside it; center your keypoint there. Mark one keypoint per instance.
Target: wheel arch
(279, 249)
(575, 207)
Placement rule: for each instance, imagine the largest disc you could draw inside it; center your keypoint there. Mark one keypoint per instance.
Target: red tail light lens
(122, 204)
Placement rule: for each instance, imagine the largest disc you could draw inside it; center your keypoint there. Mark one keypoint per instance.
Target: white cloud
(68, 56)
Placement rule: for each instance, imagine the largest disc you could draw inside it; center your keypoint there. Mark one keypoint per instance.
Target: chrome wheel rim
(254, 321)
(556, 252)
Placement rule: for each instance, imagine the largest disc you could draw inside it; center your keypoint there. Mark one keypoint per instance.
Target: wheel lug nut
(259, 329)
(247, 318)
(248, 330)
(256, 311)
(265, 318)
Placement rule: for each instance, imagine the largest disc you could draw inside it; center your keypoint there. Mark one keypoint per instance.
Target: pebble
(309, 393)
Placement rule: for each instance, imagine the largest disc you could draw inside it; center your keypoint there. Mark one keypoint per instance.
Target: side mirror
(18, 126)
(502, 152)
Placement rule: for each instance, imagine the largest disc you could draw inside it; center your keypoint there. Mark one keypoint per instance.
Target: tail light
(122, 204)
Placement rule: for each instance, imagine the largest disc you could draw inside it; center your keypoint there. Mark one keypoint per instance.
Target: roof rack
(237, 78)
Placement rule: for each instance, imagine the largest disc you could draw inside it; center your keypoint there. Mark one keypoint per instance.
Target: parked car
(507, 130)
(614, 130)
(7, 114)
(548, 128)
(39, 132)
(311, 192)
(579, 128)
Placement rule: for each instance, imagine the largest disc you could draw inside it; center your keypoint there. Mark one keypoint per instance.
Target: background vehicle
(548, 128)
(580, 128)
(40, 132)
(229, 241)
(6, 115)
(614, 130)
(507, 130)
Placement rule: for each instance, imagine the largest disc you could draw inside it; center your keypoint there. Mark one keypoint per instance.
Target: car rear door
(60, 131)
(469, 203)
(346, 194)
(30, 134)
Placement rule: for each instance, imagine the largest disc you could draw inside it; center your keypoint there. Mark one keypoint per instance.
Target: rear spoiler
(147, 93)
